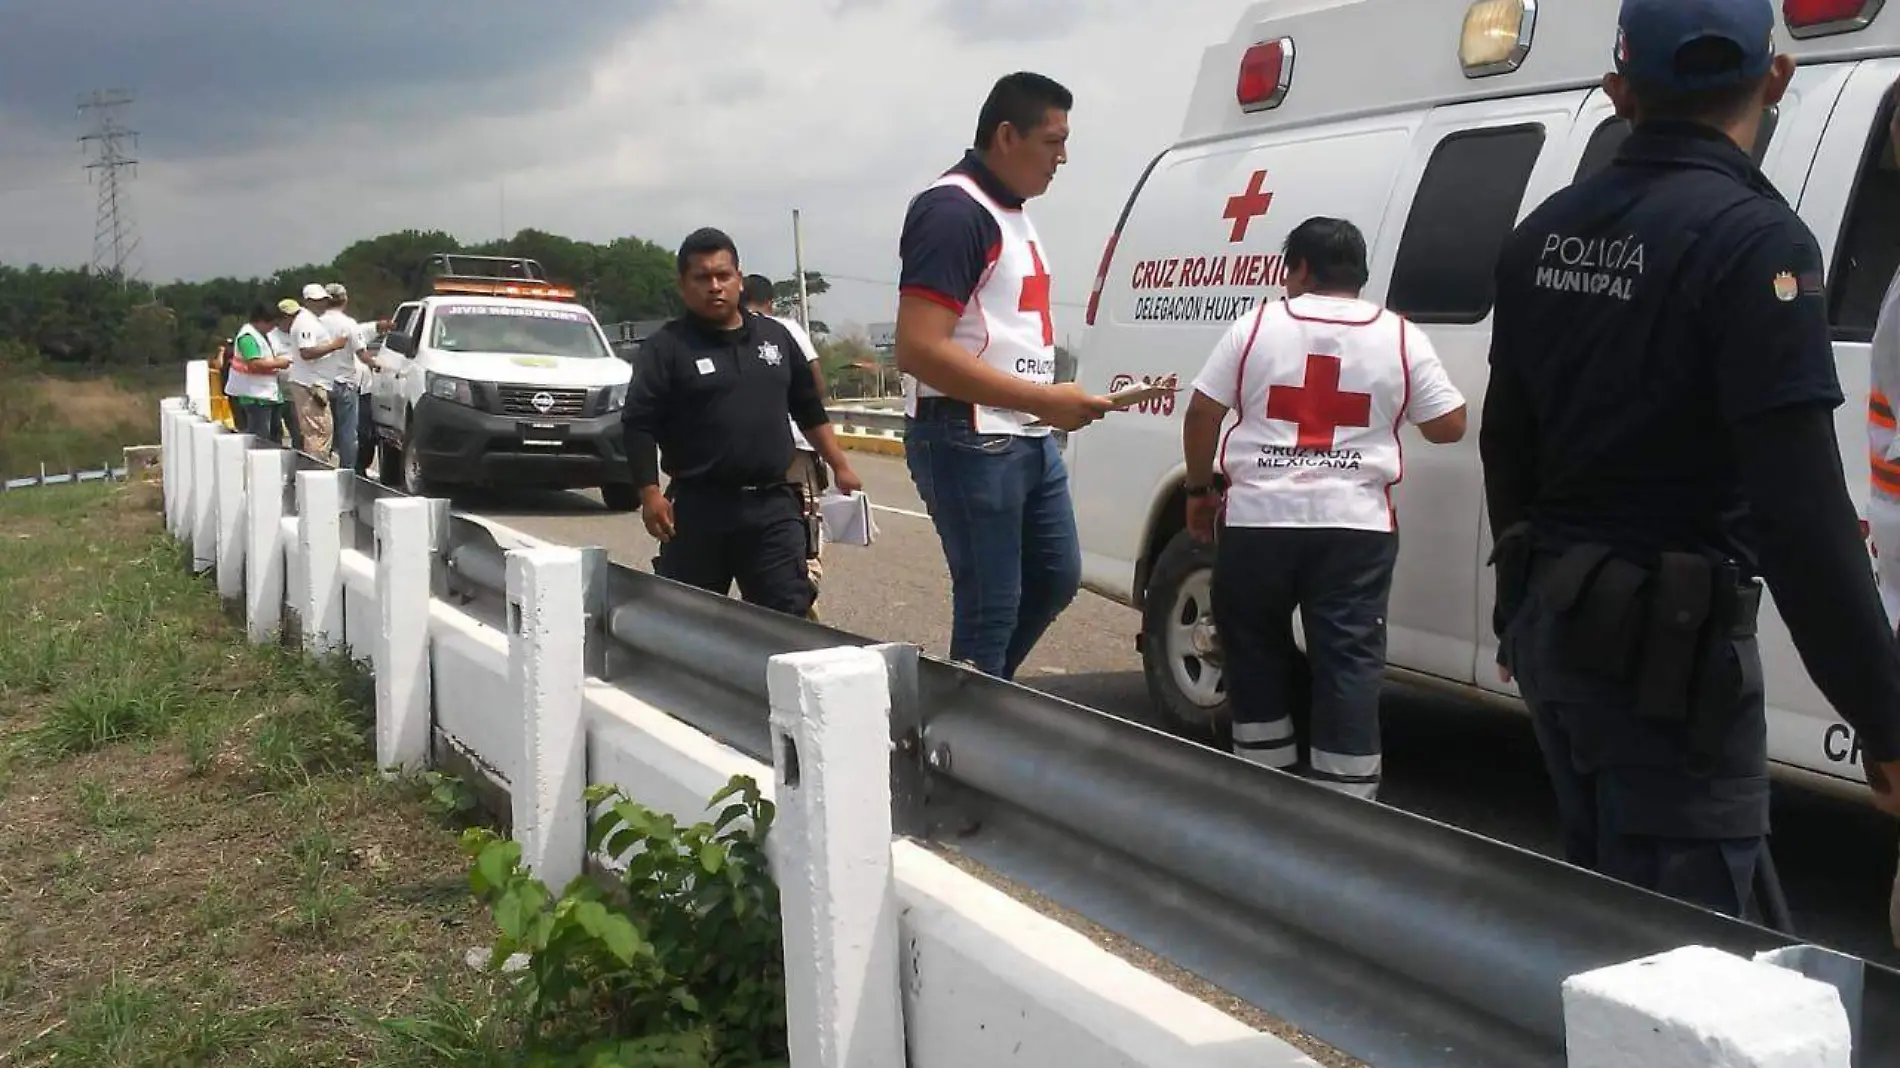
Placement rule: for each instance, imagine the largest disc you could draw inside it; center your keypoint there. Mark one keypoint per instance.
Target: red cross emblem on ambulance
(1244, 208)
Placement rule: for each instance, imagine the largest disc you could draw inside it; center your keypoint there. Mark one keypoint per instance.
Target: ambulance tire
(1188, 701)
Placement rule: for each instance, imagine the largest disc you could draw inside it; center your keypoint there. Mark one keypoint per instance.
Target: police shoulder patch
(1786, 287)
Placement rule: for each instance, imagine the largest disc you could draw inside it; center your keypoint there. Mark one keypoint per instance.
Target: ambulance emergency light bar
(1496, 36)
(1819, 18)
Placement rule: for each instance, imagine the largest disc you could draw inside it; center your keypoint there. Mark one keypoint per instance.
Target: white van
(1434, 125)
(500, 379)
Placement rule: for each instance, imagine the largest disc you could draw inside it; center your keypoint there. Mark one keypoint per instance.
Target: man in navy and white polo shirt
(976, 343)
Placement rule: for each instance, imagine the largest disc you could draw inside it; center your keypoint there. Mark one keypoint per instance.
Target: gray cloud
(973, 21)
(214, 74)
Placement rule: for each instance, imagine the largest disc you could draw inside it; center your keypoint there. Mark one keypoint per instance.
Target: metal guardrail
(862, 419)
(1402, 941)
(104, 474)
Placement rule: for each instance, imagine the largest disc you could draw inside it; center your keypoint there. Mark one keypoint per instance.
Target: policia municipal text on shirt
(713, 392)
(1651, 446)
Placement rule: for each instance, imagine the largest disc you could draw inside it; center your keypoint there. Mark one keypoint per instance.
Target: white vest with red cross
(1007, 321)
(1324, 384)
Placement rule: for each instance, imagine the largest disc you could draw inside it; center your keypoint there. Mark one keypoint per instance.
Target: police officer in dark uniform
(713, 392)
(1657, 439)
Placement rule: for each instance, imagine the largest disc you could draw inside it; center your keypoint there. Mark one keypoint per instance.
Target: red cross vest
(1007, 321)
(1324, 384)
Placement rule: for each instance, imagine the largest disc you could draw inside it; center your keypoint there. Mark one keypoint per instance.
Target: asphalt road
(1449, 760)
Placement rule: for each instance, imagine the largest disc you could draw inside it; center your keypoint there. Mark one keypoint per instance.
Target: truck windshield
(516, 329)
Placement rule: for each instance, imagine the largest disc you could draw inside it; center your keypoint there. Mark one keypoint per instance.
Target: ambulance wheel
(1180, 652)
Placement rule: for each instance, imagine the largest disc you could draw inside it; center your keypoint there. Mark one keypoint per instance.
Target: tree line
(76, 318)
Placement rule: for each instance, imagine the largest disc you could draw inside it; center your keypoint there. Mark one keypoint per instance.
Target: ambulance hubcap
(1194, 657)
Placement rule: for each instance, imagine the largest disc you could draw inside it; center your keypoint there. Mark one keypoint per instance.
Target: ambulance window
(1466, 204)
(1609, 137)
(1865, 258)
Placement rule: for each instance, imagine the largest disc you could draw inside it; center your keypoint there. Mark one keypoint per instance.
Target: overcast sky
(275, 134)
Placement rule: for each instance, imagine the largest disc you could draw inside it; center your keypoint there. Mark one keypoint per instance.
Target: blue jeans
(343, 408)
(1002, 510)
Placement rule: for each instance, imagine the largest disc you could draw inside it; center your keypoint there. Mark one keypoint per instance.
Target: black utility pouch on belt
(1723, 678)
(1599, 598)
(1673, 647)
(1511, 557)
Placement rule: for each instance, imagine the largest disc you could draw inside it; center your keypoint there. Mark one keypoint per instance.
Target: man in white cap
(290, 430)
(352, 382)
(313, 371)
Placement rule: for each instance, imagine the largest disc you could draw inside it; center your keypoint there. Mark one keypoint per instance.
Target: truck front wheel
(1180, 651)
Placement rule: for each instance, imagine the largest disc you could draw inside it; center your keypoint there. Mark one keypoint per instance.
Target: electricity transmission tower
(108, 146)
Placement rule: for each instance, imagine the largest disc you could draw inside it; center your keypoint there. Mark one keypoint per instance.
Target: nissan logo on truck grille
(532, 401)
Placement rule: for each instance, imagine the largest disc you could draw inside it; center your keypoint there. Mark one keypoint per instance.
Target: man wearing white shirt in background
(314, 368)
(352, 382)
(808, 470)
(280, 346)
(1322, 382)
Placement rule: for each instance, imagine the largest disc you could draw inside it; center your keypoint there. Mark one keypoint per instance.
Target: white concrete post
(168, 458)
(182, 443)
(229, 455)
(831, 856)
(405, 541)
(1702, 1008)
(546, 665)
(204, 496)
(320, 544)
(266, 472)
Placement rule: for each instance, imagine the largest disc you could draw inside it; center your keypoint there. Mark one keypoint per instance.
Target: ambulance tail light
(1496, 37)
(1114, 238)
(1266, 73)
(1819, 18)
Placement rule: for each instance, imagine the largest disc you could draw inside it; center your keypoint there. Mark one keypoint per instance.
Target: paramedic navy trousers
(1632, 805)
(1001, 507)
(754, 535)
(1340, 580)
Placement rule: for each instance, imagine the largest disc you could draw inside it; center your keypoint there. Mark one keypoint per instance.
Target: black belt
(701, 486)
(943, 409)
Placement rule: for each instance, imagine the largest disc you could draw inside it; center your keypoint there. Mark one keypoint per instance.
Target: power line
(115, 239)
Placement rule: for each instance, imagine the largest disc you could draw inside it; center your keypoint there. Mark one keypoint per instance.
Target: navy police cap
(1651, 33)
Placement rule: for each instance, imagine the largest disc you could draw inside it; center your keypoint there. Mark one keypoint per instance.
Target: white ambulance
(499, 379)
(1434, 125)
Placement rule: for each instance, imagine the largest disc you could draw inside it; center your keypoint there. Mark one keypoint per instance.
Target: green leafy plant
(450, 799)
(676, 963)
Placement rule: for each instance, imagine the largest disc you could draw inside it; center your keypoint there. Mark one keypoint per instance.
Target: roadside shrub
(675, 963)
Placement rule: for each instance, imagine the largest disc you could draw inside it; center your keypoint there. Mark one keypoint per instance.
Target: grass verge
(198, 863)
(77, 422)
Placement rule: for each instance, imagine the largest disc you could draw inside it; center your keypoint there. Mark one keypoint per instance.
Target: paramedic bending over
(1322, 381)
